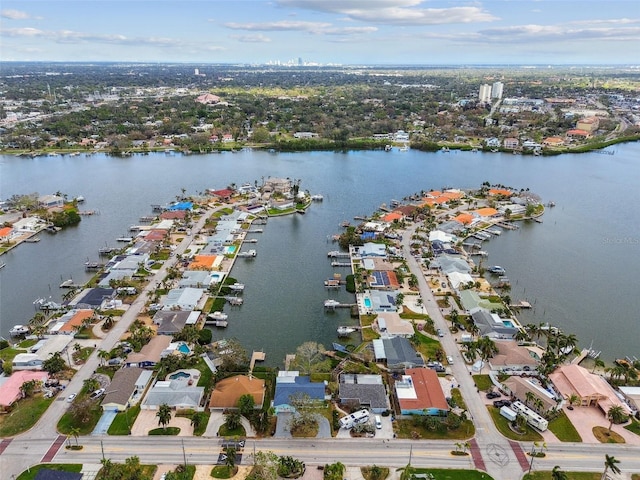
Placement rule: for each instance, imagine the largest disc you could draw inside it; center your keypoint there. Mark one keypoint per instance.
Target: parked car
(440, 333)
(71, 397)
(450, 359)
(97, 393)
(501, 403)
(493, 395)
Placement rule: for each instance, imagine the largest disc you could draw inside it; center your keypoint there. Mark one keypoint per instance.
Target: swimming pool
(508, 323)
(177, 375)
(183, 348)
(216, 277)
(367, 302)
(229, 249)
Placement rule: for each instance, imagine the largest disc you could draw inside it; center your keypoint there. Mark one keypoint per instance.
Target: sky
(347, 32)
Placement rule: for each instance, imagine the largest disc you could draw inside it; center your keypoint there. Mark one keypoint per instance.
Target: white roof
(459, 278)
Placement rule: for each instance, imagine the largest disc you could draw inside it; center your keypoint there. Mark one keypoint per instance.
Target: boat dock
(108, 250)
(70, 284)
(521, 304)
(340, 264)
(335, 304)
(255, 230)
(256, 357)
(508, 226)
(337, 254)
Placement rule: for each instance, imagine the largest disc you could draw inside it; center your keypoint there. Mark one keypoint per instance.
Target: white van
(378, 422)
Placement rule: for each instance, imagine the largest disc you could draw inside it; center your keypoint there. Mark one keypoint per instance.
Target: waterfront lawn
(633, 427)
(7, 354)
(27, 343)
(453, 474)
(31, 473)
(369, 334)
(123, 420)
(206, 375)
(502, 424)
(562, 428)
(24, 415)
(483, 382)
(546, 475)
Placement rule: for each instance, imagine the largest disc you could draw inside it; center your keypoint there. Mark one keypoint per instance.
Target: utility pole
(184, 455)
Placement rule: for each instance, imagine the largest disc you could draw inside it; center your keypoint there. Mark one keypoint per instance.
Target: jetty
(520, 304)
(105, 251)
(32, 240)
(508, 226)
(331, 304)
(255, 230)
(256, 357)
(70, 284)
(337, 254)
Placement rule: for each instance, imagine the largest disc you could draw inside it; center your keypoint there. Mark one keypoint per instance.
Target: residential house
(591, 389)
(524, 389)
(419, 393)
(50, 201)
(390, 324)
(292, 388)
(512, 357)
(511, 143)
(179, 393)
(170, 322)
(277, 185)
(150, 354)
(183, 299)
(10, 388)
(363, 391)
(588, 124)
(397, 353)
(227, 392)
(126, 385)
(70, 322)
(26, 361)
(492, 326)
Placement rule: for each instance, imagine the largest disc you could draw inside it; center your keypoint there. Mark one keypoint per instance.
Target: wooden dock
(256, 357)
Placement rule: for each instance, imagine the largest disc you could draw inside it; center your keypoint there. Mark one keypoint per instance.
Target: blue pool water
(216, 277)
(176, 375)
(367, 302)
(508, 323)
(230, 249)
(183, 348)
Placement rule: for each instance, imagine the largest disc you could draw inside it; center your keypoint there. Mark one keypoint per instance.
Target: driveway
(105, 422)
(216, 420)
(585, 418)
(147, 421)
(282, 426)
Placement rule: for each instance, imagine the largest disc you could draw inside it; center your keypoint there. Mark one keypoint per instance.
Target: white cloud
(14, 14)
(394, 12)
(254, 38)
(281, 26)
(556, 33)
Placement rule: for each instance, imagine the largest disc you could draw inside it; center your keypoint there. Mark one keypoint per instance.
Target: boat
(317, 198)
(234, 300)
(387, 148)
(217, 316)
(19, 330)
(2, 265)
(79, 199)
(331, 303)
(236, 287)
(404, 148)
(345, 224)
(343, 331)
(32, 240)
(482, 253)
(497, 270)
(251, 253)
(220, 323)
(124, 239)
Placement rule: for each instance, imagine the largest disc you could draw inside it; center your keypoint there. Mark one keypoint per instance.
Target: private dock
(256, 357)
(335, 304)
(255, 230)
(521, 304)
(108, 250)
(70, 284)
(337, 254)
(340, 264)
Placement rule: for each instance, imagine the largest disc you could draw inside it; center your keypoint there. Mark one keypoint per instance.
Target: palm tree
(557, 474)
(164, 415)
(196, 420)
(610, 463)
(615, 415)
(75, 433)
(487, 348)
(597, 364)
(230, 460)
(232, 419)
(103, 355)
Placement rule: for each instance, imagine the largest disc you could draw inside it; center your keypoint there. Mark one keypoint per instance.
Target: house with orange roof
(392, 217)
(588, 124)
(420, 393)
(486, 212)
(155, 235)
(202, 262)
(71, 321)
(227, 392)
(500, 191)
(173, 215)
(464, 218)
(578, 133)
(553, 142)
(5, 234)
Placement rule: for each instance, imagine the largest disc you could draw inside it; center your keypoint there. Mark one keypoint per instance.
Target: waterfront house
(50, 201)
(588, 124)
(378, 301)
(71, 322)
(393, 217)
(369, 249)
(94, 298)
(500, 192)
(170, 322)
(591, 389)
(363, 391)
(419, 393)
(450, 263)
(486, 213)
(511, 143)
(465, 219)
(292, 387)
(492, 326)
(204, 262)
(515, 358)
(578, 133)
(183, 299)
(27, 361)
(383, 280)
(632, 395)
(227, 392)
(397, 353)
(471, 300)
(198, 278)
(389, 324)
(553, 142)
(10, 388)
(276, 185)
(173, 215)
(125, 388)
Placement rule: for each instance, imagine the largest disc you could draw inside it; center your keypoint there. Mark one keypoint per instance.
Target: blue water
(183, 348)
(367, 302)
(507, 323)
(177, 375)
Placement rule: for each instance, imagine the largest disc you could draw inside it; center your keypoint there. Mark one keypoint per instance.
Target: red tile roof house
(420, 393)
(10, 389)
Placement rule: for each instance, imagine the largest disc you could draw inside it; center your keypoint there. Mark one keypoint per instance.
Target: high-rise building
(485, 93)
(196, 72)
(496, 90)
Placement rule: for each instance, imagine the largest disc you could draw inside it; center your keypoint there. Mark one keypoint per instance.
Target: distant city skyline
(501, 32)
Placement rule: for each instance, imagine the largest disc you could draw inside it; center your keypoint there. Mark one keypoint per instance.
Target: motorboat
(331, 303)
(497, 270)
(343, 331)
(218, 316)
(19, 330)
(236, 287)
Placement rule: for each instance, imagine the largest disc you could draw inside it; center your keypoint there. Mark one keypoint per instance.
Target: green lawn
(502, 424)
(64, 467)
(562, 428)
(634, 427)
(123, 420)
(483, 382)
(427, 346)
(24, 415)
(405, 428)
(457, 397)
(165, 431)
(7, 354)
(225, 432)
(451, 474)
(222, 471)
(570, 476)
(67, 422)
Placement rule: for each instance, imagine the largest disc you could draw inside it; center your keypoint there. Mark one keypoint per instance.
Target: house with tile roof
(227, 392)
(363, 391)
(419, 393)
(125, 385)
(292, 387)
(10, 388)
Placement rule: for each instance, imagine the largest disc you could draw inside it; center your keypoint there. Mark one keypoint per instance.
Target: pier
(331, 304)
(337, 254)
(340, 264)
(255, 230)
(521, 304)
(256, 357)
(70, 284)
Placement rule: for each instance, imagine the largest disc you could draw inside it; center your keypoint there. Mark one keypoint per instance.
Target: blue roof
(181, 206)
(302, 385)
